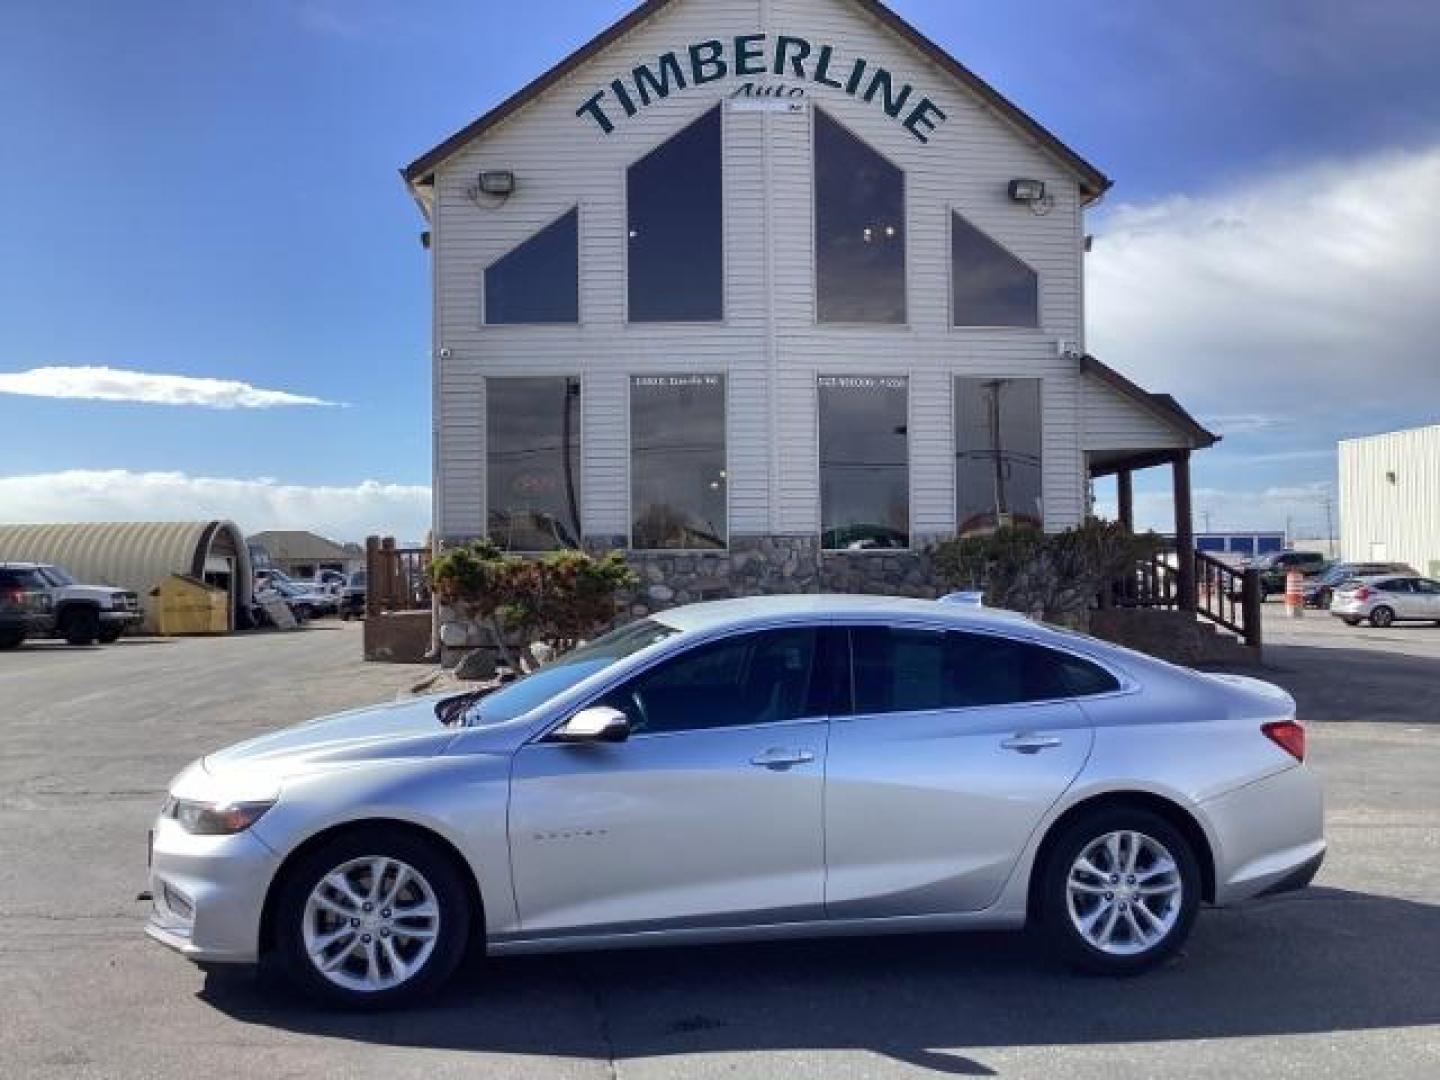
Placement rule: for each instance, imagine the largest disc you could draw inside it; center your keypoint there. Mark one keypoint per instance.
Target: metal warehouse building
(1390, 498)
(775, 284)
(139, 555)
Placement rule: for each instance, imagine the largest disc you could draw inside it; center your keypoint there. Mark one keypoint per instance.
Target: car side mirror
(597, 724)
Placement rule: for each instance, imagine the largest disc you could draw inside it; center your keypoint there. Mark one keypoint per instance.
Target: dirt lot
(1341, 980)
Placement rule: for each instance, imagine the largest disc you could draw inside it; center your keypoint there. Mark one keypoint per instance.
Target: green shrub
(1053, 576)
(558, 599)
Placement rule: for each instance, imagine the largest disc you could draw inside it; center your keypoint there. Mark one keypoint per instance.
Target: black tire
(11, 639)
(424, 856)
(1350, 620)
(110, 634)
(1053, 903)
(1382, 617)
(80, 626)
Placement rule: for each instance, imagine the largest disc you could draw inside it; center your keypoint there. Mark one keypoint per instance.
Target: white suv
(83, 614)
(1387, 598)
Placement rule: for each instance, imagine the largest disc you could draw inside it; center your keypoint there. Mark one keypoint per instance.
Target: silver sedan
(747, 769)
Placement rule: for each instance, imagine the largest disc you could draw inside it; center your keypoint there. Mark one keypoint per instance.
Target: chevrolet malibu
(741, 770)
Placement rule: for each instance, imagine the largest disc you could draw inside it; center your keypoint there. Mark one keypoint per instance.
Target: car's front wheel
(1120, 889)
(80, 626)
(374, 918)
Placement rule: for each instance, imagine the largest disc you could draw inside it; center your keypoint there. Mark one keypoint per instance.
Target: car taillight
(1362, 593)
(1289, 735)
(11, 597)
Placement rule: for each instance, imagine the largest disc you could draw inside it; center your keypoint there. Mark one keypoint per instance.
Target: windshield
(540, 686)
(57, 576)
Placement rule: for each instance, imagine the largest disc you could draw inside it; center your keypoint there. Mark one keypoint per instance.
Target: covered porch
(1128, 429)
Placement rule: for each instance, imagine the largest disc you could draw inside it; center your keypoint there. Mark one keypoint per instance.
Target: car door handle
(778, 757)
(1030, 744)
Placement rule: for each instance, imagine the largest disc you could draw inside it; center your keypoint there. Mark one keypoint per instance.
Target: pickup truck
(25, 609)
(1274, 567)
(81, 614)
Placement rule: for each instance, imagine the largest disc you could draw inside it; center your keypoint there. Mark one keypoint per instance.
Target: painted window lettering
(748, 56)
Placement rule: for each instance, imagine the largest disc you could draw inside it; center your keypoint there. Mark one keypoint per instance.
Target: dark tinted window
(998, 477)
(859, 230)
(538, 282)
(988, 285)
(675, 228)
(761, 678)
(901, 670)
(864, 463)
(533, 462)
(21, 579)
(1400, 585)
(678, 485)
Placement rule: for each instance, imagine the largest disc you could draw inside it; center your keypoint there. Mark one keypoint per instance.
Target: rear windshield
(555, 678)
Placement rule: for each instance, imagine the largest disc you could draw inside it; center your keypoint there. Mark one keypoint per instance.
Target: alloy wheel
(1124, 893)
(371, 924)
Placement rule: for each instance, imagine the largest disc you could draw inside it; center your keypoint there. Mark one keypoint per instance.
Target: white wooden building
(778, 274)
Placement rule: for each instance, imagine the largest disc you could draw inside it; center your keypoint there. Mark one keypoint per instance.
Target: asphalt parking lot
(1340, 980)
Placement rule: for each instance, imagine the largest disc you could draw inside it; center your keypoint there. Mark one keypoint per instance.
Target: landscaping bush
(1050, 576)
(558, 599)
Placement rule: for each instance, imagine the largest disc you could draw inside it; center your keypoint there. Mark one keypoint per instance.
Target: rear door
(1428, 596)
(1401, 595)
(956, 746)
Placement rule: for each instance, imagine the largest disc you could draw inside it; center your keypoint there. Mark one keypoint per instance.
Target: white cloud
(1292, 296)
(342, 513)
(117, 384)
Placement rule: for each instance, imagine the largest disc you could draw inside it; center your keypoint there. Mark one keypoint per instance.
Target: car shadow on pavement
(1322, 960)
(1338, 685)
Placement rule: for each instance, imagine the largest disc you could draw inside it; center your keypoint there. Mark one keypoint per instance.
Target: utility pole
(1329, 523)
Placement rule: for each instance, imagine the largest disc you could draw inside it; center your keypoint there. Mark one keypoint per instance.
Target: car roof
(718, 614)
(22, 565)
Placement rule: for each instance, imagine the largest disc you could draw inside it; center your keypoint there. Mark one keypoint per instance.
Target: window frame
(630, 465)
(905, 324)
(825, 552)
(818, 630)
(952, 210)
(580, 379)
(1125, 685)
(624, 182)
(955, 377)
(580, 217)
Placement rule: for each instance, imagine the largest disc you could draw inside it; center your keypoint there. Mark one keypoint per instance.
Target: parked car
(352, 597)
(772, 767)
(305, 600)
(1320, 590)
(1275, 567)
(26, 609)
(83, 614)
(1386, 599)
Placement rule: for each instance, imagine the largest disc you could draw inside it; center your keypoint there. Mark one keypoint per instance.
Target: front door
(710, 814)
(958, 745)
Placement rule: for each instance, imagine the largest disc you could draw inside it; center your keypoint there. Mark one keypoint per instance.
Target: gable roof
(297, 545)
(1162, 406)
(1093, 183)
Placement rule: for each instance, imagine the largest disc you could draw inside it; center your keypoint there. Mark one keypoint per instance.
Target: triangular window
(539, 281)
(988, 285)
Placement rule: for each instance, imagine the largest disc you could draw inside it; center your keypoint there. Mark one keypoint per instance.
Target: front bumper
(208, 893)
(120, 618)
(1269, 835)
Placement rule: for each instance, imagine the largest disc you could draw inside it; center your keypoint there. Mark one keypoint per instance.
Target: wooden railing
(1224, 595)
(396, 579)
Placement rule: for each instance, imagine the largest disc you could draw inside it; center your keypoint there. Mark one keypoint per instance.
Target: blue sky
(210, 191)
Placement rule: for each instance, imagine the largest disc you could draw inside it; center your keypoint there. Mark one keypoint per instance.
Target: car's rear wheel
(1120, 889)
(1382, 616)
(374, 918)
(80, 626)
(11, 639)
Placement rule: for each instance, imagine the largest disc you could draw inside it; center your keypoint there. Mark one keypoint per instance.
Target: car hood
(398, 730)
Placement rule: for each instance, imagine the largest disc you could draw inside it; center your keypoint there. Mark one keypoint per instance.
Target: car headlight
(214, 818)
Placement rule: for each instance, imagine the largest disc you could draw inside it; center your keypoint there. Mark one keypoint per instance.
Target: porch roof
(1127, 427)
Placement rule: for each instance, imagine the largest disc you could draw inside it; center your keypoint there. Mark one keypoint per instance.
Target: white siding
(768, 345)
(1113, 421)
(1397, 521)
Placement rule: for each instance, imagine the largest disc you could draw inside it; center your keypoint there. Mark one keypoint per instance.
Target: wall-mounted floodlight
(497, 182)
(1027, 191)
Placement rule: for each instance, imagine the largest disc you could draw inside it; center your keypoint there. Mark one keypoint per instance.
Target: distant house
(304, 554)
